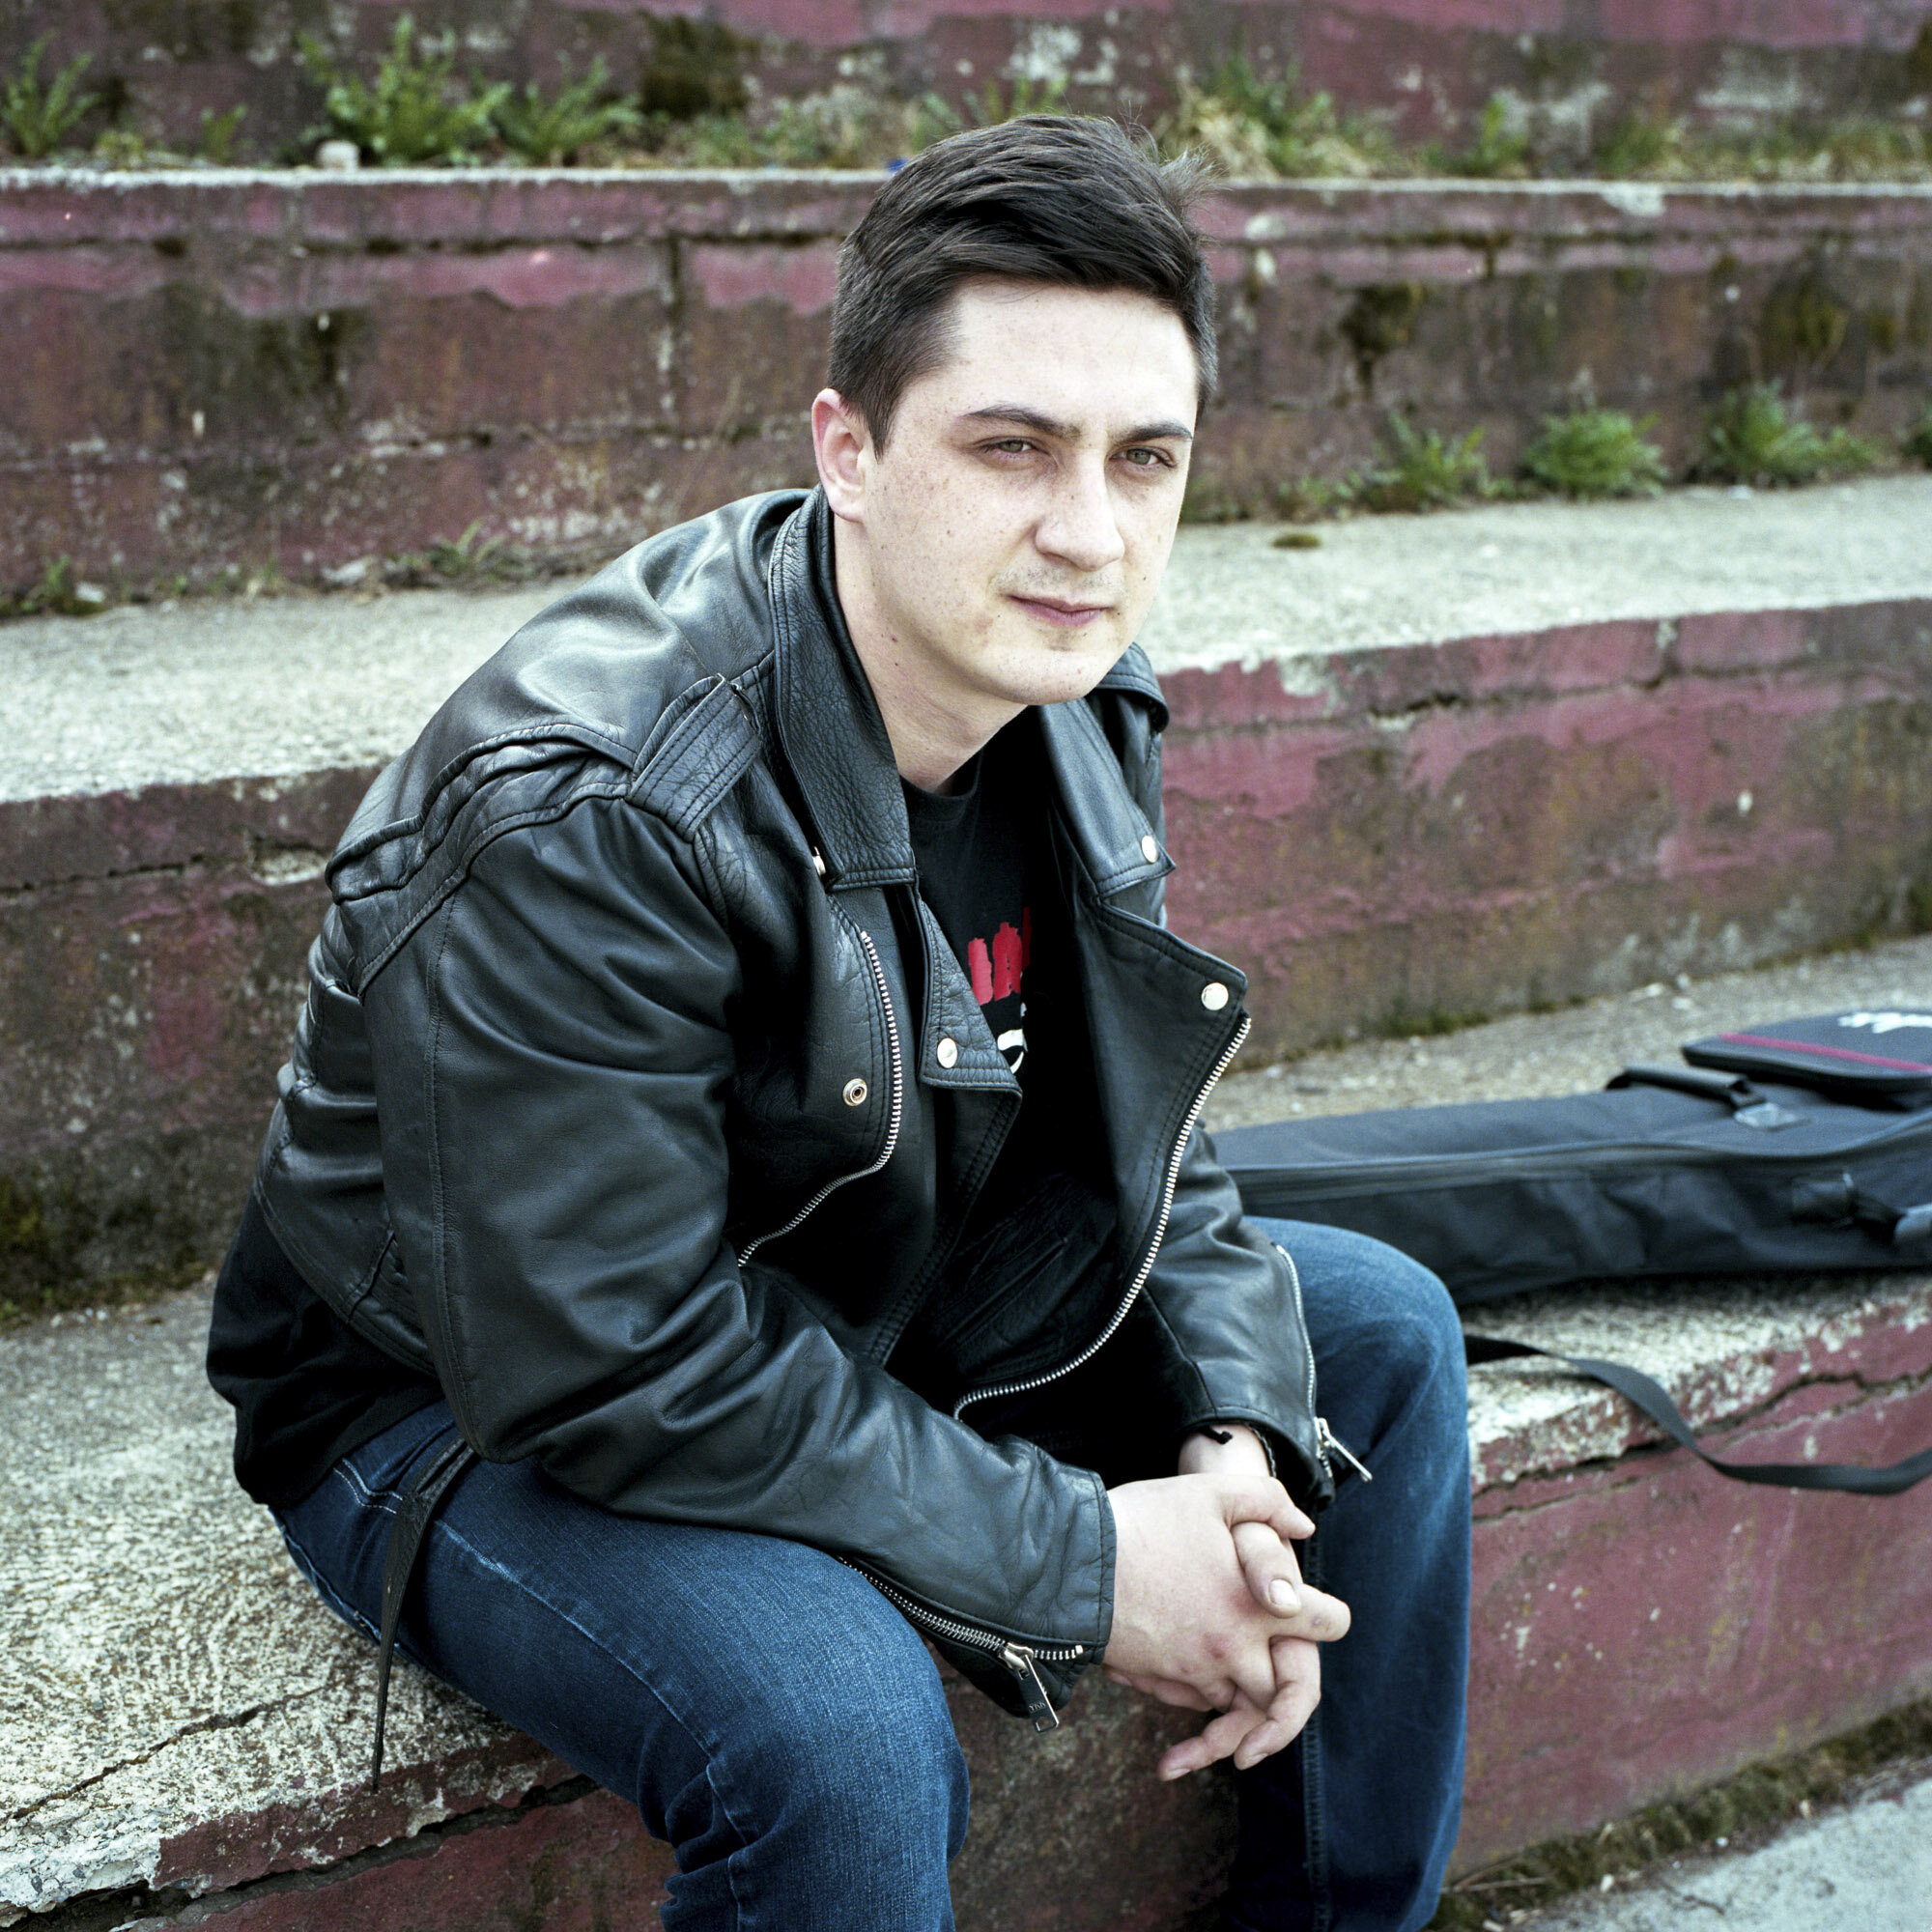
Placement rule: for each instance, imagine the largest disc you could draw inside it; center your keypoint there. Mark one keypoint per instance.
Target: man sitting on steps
(746, 1096)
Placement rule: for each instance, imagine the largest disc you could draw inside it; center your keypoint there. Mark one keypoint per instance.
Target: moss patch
(1738, 1812)
(47, 1231)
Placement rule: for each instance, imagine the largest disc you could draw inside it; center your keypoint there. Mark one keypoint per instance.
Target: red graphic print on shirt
(997, 972)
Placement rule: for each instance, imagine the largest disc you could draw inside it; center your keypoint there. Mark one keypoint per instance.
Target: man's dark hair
(1046, 198)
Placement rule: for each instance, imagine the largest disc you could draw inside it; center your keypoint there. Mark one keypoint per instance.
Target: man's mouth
(1067, 612)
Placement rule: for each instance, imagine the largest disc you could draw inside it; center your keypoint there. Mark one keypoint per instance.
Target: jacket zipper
(1173, 1181)
(1327, 1441)
(1021, 1659)
(892, 1118)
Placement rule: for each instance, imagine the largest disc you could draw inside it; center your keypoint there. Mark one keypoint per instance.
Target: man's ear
(842, 446)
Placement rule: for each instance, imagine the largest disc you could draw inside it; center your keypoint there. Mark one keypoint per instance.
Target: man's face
(1005, 544)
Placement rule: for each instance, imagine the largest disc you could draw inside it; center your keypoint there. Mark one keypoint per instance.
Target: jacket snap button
(1213, 996)
(1150, 848)
(946, 1053)
(855, 1092)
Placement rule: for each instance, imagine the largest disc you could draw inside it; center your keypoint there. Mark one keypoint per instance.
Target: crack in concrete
(1859, 1390)
(219, 1721)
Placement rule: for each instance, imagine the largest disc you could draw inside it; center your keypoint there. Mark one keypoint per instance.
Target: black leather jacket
(613, 1101)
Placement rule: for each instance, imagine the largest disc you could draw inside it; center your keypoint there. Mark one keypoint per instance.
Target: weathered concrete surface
(222, 368)
(182, 1712)
(1453, 824)
(185, 1715)
(1532, 1054)
(1863, 1867)
(1643, 1627)
(1427, 67)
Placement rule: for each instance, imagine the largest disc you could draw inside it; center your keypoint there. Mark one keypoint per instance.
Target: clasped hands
(1210, 1609)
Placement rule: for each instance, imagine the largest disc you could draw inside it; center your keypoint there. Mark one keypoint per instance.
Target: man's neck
(932, 742)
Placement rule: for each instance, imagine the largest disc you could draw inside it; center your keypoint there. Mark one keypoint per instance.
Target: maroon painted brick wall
(300, 370)
(1641, 1628)
(1492, 824)
(164, 62)
(1466, 828)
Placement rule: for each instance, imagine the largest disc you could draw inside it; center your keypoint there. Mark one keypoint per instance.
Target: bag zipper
(892, 1118)
(1021, 1659)
(1548, 1163)
(1173, 1181)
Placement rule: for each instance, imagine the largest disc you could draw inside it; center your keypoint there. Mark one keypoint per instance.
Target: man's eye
(1013, 446)
(1148, 459)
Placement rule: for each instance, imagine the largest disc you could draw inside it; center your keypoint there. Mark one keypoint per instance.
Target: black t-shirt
(1044, 1218)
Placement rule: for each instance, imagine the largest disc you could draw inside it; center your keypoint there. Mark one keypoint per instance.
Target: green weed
(1592, 452)
(1426, 472)
(1256, 128)
(470, 562)
(550, 132)
(58, 595)
(1917, 442)
(990, 108)
(413, 113)
(1752, 438)
(1501, 148)
(1312, 500)
(37, 120)
(219, 133)
(1639, 143)
(124, 148)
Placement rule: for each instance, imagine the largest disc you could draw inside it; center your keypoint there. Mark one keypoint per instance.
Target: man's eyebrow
(1042, 424)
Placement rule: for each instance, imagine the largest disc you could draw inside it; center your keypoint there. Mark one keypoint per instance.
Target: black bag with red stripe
(1794, 1148)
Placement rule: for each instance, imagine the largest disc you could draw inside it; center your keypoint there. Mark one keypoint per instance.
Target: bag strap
(419, 1503)
(1644, 1394)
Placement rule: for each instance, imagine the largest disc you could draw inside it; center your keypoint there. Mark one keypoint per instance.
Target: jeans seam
(1315, 1817)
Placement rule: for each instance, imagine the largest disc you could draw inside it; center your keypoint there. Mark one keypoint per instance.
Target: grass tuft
(37, 120)
(1752, 438)
(1591, 453)
(1259, 128)
(549, 131)
(1425, 471)
(1916, 441)
(413, 113)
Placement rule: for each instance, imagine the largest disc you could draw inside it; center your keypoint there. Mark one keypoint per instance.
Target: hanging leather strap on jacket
(1638, 1389)
(419, 1503)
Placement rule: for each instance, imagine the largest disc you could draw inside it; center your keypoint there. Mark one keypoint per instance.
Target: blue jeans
(776, 1721)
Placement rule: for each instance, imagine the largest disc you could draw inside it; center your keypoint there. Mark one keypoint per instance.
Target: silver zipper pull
(1330, 1440)
(1018, 1659)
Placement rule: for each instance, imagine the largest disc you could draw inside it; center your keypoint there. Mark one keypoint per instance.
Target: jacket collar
(836, 743)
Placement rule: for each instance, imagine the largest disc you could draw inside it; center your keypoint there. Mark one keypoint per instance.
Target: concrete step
(231, 369)
(186, 1722)
(1439, 767)
(1865, 1866)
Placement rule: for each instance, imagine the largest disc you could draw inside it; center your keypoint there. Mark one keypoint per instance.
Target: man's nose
(1080, 527)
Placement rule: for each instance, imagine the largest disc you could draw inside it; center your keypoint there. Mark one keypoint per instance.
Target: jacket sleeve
(1228, 1303)
(553, 1063)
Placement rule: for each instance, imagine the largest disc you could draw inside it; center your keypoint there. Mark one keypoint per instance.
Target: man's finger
(1167, 1690)
(1321, 1619)
(1275, 1578)
(1259, 1499)
(1220, 1739)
